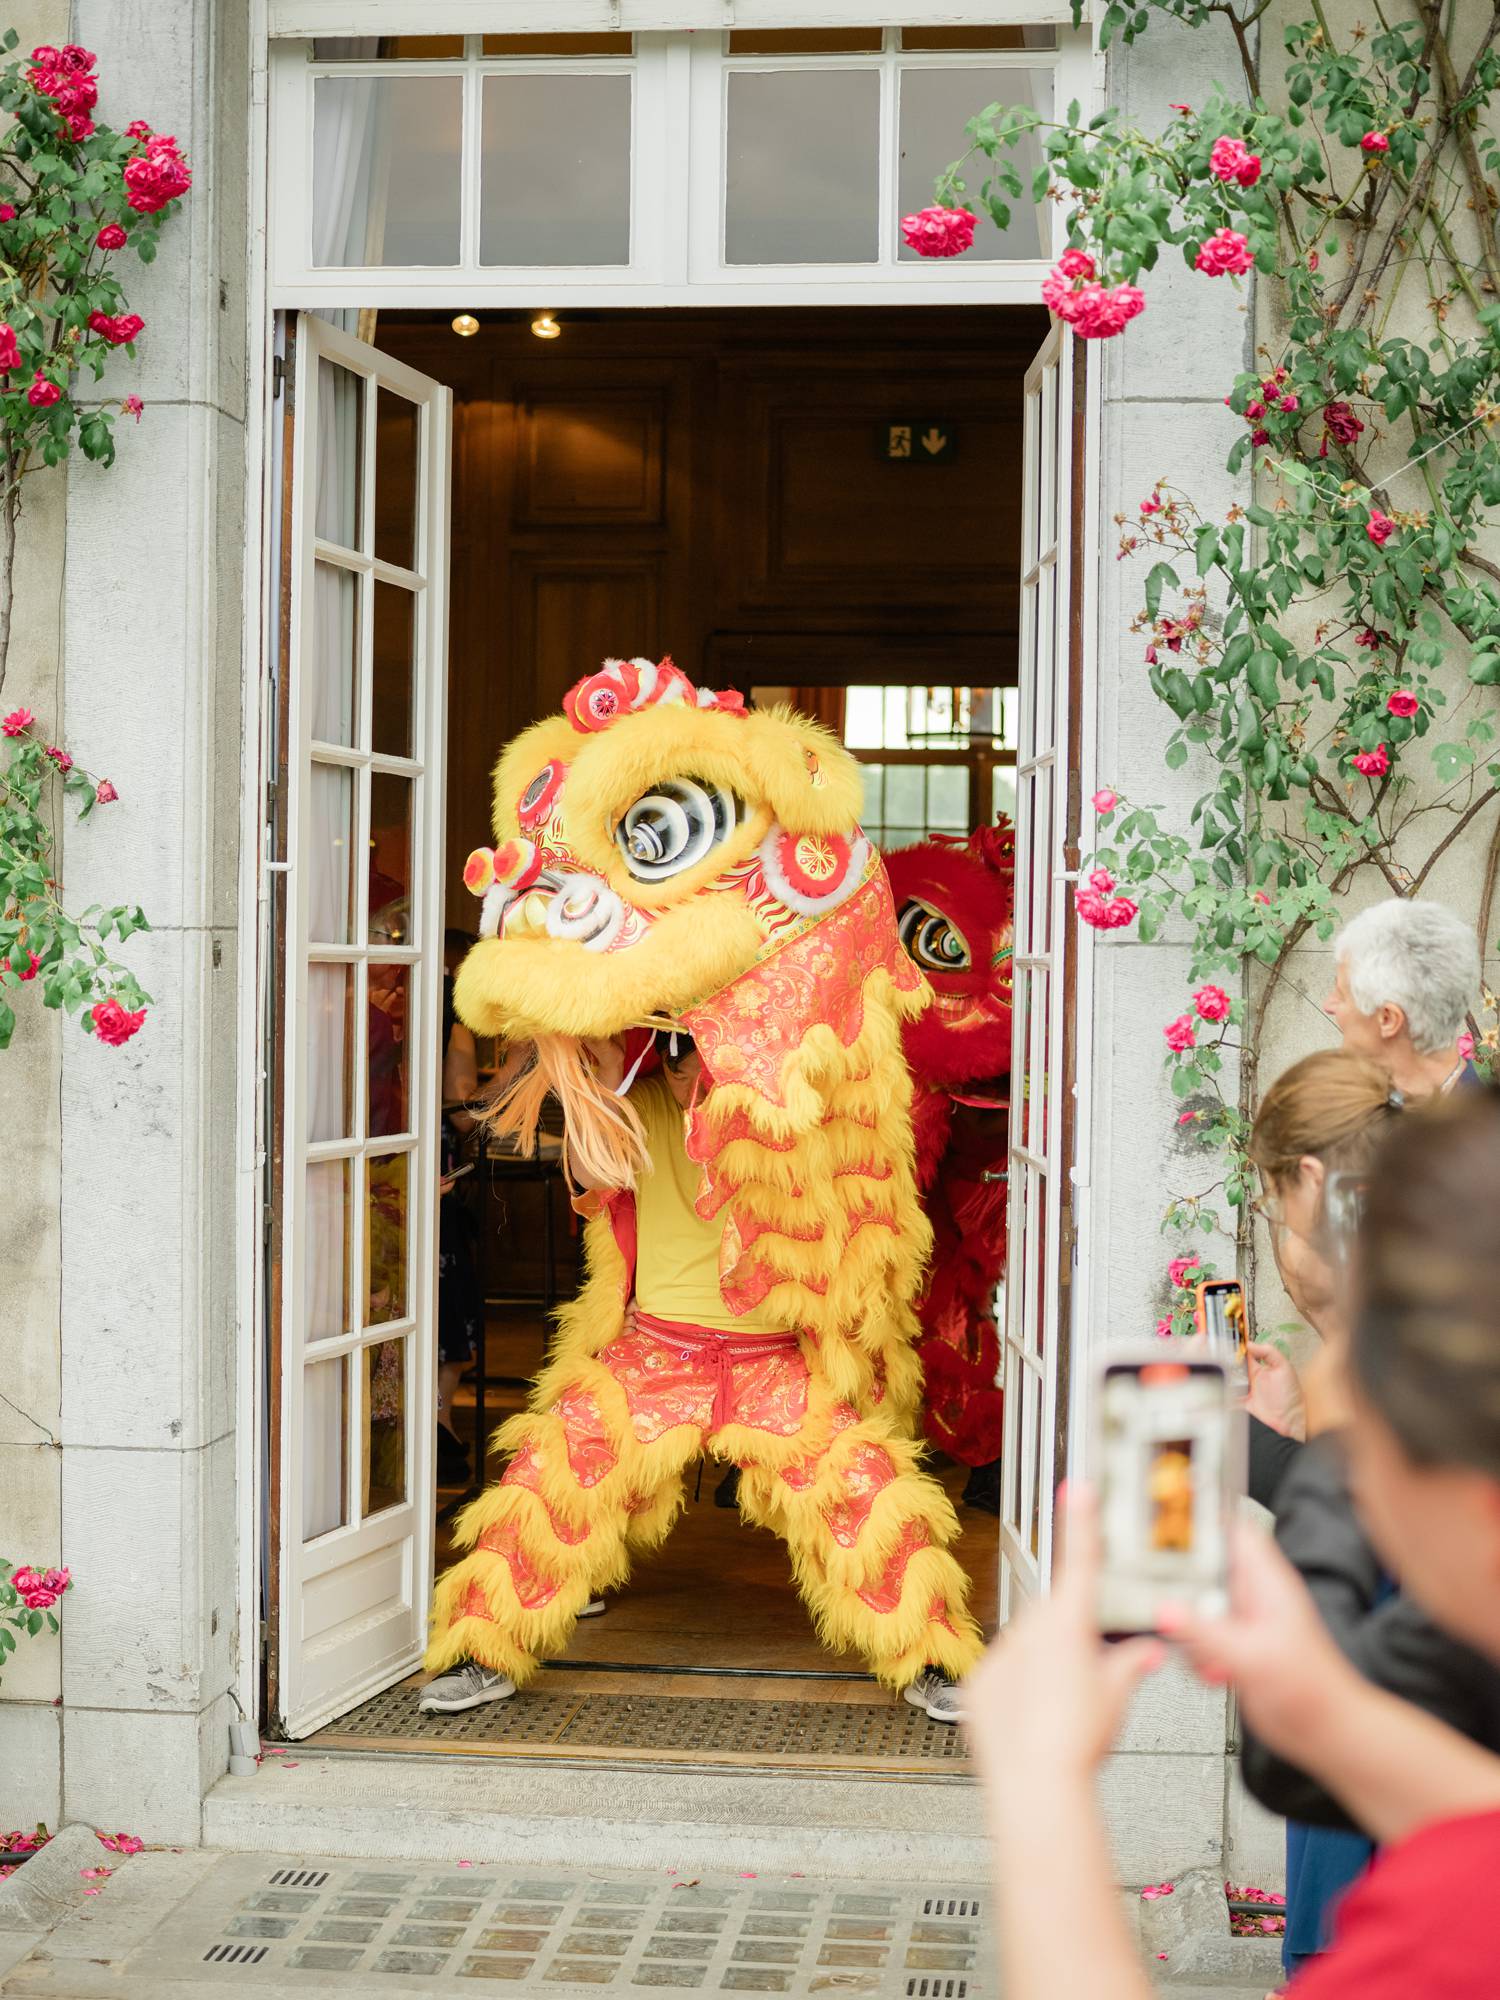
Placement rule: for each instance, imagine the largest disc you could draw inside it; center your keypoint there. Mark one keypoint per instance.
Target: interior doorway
(815, 504)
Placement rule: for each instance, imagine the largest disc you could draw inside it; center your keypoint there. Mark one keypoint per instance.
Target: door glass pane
(325, 1448)
(604, 44)
(803, 157)
(385, 1425)
(385, 1238)
(398, 425)
(390, 859)
(948, 798)
(330, 1052)
(389, 48)
(394, 653)
(386, 177)
(979, 38)
(904, 803)
(387, 1052)
(326, 1256)
(330, 855)
(555, 170)
(340, 454)
(935, 104)
(1004, 800)
(335, 653)
(804, 41)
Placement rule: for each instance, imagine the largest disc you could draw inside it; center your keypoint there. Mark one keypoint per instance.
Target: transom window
(531, 169)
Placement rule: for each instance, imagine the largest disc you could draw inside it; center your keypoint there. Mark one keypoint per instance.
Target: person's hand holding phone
(1049, 1696)
(1275, 1391)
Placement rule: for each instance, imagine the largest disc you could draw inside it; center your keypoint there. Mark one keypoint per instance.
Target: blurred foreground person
(1424, 1442)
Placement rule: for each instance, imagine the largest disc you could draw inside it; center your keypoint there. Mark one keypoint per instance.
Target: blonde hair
(1333, 1106)
(602, 1133)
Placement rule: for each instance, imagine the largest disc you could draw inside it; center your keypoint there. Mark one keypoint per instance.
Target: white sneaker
(941, 1698)
(467, 1686)
(593, 1608)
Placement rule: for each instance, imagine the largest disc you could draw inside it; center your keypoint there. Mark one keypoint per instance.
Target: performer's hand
(1275, 1391)
(1049, 1696)
(608, 1057)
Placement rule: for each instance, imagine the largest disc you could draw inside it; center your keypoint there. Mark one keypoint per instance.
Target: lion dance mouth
(664, 856)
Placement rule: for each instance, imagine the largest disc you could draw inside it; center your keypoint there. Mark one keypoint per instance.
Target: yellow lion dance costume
(667, 859)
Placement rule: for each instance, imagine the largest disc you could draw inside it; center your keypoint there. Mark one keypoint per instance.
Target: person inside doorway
(1406, 974)
(667, 858)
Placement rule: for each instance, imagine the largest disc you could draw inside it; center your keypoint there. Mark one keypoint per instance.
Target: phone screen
(1224, 1316)
(1166, 1485)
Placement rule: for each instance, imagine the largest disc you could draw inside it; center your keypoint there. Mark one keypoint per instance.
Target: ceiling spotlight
(467, 325)
(545, 327)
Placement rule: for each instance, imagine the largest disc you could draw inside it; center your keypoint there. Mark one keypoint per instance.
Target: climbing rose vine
(1327, 657)
(73, 195)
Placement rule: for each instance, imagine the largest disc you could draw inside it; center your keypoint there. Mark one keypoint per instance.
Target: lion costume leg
(867, 1529)
(594, 1474)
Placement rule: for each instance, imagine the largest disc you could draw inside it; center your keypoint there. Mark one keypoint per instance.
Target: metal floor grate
(677, 1726)
(569, 1932)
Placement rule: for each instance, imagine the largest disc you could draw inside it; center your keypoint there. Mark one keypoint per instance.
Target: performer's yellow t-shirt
(677, 1254)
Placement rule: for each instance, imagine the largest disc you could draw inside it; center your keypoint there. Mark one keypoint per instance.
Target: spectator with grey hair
(1407, 973)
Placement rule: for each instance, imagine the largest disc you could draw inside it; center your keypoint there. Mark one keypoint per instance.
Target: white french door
(1042, 1060)
(354, 1343)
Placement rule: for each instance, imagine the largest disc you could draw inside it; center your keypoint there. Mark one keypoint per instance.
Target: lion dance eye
(931, 941)
(670, 828)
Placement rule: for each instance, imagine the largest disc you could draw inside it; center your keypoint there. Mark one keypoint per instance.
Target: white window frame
(679, 96)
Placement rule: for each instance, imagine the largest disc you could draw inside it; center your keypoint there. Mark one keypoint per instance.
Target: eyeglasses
(1268, 1208)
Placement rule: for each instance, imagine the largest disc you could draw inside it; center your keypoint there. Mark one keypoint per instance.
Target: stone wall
(122, 1283)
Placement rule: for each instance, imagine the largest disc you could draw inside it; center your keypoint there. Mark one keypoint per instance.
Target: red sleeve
(1419, 1923)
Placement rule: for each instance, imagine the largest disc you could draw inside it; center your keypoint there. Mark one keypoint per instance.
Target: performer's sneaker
(940, 1697)
(467, 1686)
(593, 1608)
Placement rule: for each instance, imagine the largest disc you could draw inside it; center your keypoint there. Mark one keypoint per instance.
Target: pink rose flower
(1180, 1272)
(1342, 422)
(1254, 410)
(1151, 504)
(1184, 110)
(119, 332)
(939, 232)
(1287, 402)
(1375, 142)
(32, 963)
(132, 407)
(1164, 1328)
(1181, 1033)
(1373, 763)
(138, 129)
(1121, 911)
(1380, 527)
(115, 1024)
(1225, 253)
(1260, 896)
(10, 352)
(60, 758)
(111, 237)
(80, 127)
(1402, 702)
(105, 793)
(1232, 160)
(158, 176)
(1260, 437)
(1102, 912)
(1212, 1003)
(17, 722)
(42, 392)
(1465, 1046)
(1075, 264)
(1103, 881)
(1104, 800)
(7, 212)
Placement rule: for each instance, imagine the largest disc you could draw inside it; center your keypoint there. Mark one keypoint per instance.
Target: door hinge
(278, 375)
(265, 1221)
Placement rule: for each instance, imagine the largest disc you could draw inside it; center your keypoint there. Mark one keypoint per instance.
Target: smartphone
(456, 1173)
(1169, 1447)
(1223, 1320)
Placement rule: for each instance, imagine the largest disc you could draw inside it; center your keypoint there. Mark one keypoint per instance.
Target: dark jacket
(1391, 1641)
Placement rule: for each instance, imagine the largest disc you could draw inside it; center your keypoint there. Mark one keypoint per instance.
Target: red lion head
(954, 903)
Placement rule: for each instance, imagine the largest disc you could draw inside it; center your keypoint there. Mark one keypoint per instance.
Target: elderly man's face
(1361, 1033)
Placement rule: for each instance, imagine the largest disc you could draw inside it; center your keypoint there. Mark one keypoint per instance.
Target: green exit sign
(928, 443)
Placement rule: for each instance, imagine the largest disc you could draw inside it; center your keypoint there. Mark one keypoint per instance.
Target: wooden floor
(717, 1594)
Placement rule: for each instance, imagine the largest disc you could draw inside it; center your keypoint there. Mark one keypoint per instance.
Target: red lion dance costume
(954, 903)
(667, 860)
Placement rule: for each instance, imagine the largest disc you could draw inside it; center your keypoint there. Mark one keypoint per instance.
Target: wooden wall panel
(572, 609)
(589, 461)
